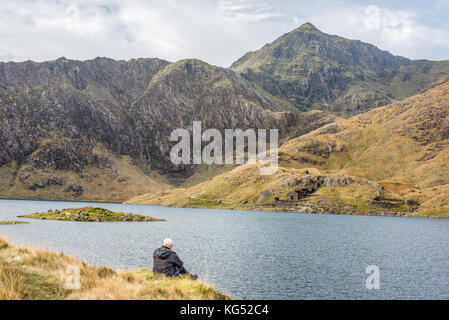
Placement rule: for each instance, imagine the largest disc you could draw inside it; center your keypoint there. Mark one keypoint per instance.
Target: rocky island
(90, 214)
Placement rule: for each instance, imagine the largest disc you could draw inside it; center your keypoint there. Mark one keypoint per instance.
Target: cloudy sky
(217, 31)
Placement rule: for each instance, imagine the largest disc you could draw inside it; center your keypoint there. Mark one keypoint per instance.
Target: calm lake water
(258, 255)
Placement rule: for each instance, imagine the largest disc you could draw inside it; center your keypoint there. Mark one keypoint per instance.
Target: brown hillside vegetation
(116, 178)
(391, 160)
(32, 274)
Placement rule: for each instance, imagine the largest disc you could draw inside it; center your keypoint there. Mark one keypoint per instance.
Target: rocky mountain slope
(314, 70)
(390, 160)
(99, 129)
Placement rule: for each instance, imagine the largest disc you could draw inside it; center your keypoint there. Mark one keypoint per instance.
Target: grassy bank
(243, 188)
(33, 274)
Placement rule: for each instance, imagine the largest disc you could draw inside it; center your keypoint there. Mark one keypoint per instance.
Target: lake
(258, 255)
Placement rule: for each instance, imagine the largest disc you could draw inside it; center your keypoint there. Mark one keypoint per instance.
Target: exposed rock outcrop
(56, 116)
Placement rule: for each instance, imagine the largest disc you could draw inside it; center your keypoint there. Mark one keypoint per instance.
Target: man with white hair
(167, 262)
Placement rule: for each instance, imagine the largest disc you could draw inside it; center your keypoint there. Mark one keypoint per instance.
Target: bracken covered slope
(391, 160)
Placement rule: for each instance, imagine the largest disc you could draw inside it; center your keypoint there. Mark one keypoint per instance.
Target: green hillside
(314, 70)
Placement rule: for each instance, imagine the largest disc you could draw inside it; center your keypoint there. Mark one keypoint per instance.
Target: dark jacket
(167, 262)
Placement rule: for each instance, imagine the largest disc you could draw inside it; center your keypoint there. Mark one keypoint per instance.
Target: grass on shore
(12, 222)
(33, 274)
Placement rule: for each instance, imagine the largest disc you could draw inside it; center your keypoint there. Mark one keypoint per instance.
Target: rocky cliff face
(81, 101)
(314, 70)
(63, 120)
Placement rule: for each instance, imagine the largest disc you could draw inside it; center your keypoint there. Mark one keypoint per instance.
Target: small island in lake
(90, 214)
(12, 222)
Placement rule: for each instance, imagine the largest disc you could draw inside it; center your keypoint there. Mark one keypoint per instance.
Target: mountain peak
(308, 27)
(315, 70)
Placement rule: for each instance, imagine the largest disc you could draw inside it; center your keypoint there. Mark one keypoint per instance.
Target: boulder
(264, 195)
(305, 210)
(338, 181)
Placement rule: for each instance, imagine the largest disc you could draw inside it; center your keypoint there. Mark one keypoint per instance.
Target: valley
(345, 110)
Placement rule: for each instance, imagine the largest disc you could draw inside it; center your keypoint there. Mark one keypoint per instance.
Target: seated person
(167, 262)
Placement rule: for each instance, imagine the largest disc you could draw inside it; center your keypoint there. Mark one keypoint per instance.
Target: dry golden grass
(235, 189)
(33, 274)
(404, 147)
(398, 188)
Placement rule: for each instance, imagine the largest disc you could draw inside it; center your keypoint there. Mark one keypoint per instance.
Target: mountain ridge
(68, 125)
(98, 129)
(315, 70)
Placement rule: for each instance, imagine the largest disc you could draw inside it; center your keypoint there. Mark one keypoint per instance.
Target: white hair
(168, 242)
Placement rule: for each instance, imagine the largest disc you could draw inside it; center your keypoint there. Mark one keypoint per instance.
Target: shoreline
(28, 273)
(242, 207)
(292, 210)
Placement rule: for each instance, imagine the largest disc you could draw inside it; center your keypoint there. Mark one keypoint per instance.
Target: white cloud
(401, 26)
(401, 32)
(5, 56)
(217, 31)
(249, 11)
